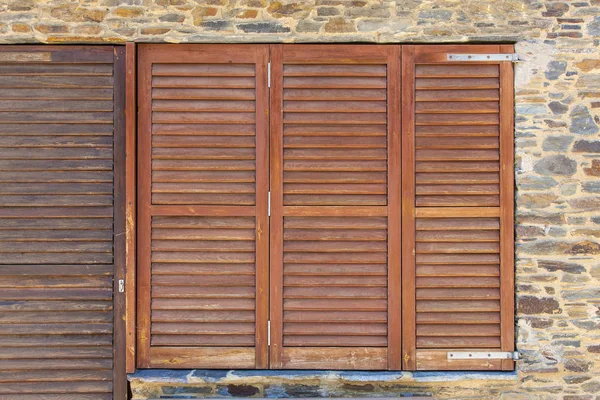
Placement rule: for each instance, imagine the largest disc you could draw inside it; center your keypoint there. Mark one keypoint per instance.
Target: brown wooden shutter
(202, 206)
(457, 157)
(60, 111)
(335, 236)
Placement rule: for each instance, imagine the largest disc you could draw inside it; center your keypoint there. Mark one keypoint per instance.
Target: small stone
(440, 15)
(308, 26)
(586, 146)
(588, 65)
(263, 27)
(303, 390)
(557, 143)
(555, 69)
(541, 323)
(20, 28)
(327, 11)
(154, 31)
(558, 108)
(21, 5)
(591, 387)
(585, 247)
(536, 200)
(172, 18)
(585, 203)
(46, 28)
(247, 14)
(128, 12)
(534, 182)
(89, 29)
(582, 122)
(594, 170)
(339, 25)
(242, 390)
(593, 27)
(534, 305)
(277, 9)
(591, 187)
(556, 165)
(554, 266)
(576, 379)
(216, 25)
(555, 9)
(577, 365)
(594, 349)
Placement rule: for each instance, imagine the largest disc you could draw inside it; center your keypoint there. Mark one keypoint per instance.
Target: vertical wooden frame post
(130, 207)
(394, 217)
(507, 200)
(119, 300)
(408, 210)
(262, 204)
(143, 212)
(276, 178)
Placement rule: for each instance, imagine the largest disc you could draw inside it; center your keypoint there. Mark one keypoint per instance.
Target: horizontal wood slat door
(202, 206)
(59, 111)
(457, 157)
(335, 273)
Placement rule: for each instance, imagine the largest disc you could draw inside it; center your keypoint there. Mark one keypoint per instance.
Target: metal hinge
(121, 285)
(269, 74)
(269, 204)
(483, 355)
(483, 57)
(268, 332)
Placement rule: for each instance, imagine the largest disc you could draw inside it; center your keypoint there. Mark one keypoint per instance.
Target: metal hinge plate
(269, 204)
(483, 57)
(268, 333)
(269, 75)
(483, 355)
(121, 285)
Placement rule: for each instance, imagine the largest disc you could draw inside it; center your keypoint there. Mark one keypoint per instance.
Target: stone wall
(557, 133)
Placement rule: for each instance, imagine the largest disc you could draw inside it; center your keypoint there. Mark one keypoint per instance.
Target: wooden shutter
(457, 157)
(60, 111)
(335, 262)
(202, 206)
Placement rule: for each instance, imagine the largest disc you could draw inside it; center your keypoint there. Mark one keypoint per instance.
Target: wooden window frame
(404, 359)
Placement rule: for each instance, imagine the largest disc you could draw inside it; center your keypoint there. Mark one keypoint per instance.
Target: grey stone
(172, 18)
(553, 266)
(303, 390)
(436, 14)
(582, 122)
(556, 165)
(557, 143)
(327, 11)
(263, 27)
(534, 182)
(531, 109)
(581, 294)
(216, 25)
(593, 27)
(586, 146)
(308, 26)
(555, 69)
(591, 187)
(558, 108)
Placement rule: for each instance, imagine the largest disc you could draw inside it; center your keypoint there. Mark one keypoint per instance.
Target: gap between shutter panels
(56, 228)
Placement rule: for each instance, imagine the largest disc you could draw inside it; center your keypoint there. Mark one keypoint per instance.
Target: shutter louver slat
(456, 233)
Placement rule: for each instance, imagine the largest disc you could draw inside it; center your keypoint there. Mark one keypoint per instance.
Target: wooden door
(457, 157)
(61, 157)
(202, 206)
(335, 205)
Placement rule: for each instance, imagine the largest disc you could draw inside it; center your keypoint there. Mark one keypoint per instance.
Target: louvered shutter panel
(335, 207)
(202, 211)
(59, 117)
(457, 217)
